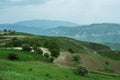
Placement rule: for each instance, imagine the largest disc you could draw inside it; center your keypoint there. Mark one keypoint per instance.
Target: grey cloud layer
(10, 3)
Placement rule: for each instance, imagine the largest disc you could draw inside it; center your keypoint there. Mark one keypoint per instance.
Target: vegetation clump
(81, 70)
(46, 55)
(53, 48)
(76, 59)
(13, 56)
(26, 47)
(55, 53)
(37, 50)
(51, 59)
(71, 50)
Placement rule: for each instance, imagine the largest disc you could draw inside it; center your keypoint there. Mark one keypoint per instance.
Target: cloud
(12, 3)
(80, 11)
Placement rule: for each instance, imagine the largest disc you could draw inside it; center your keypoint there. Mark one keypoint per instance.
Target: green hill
(31, 66)
(39, 71)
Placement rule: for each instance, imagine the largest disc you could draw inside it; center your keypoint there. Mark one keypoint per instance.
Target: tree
(82, 71)
(46, 55)
(70, 50)
(5, 30)
(76, 58)
(51, 59)
(26, 47)
(107, 63)
(54, 53)
(37, 50)
(16, 42)
(13, 56)
(52, 44)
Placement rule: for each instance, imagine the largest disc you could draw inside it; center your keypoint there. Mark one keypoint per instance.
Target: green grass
(115, 55)
(18, 70)
(23, 56)
(64, 43)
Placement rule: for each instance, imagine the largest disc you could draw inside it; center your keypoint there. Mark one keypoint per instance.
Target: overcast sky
(78, 11)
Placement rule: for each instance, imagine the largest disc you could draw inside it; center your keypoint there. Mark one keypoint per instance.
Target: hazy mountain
(100, 33)
(46, 23)
(21, 28)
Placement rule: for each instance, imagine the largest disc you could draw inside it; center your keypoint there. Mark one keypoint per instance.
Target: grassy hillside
(40, 71)
(63, 42)
(31, 66)
(23, 56)
(111, 54)
(114, 46)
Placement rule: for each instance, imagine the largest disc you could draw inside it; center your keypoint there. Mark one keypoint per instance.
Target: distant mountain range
(100, 33)
(105, 33)
(94, 33)
(36, 26)
(45, 24)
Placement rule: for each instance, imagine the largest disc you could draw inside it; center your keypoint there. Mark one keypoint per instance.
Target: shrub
(1, 78)
(46, 55)
(51, 59)
(76, 58)
(13, 56)
(47, 74)
(107, 63)
(52, 44)
(37, 50)
(82, 71)
(26, 47)
(70, 50)
(30, 69)
(54, 53)
(16, 42)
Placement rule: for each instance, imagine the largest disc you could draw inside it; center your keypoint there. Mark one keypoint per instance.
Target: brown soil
(65, 59)
(90, 62)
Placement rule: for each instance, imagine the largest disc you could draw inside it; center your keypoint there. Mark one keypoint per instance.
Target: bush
(51, 59)
(54, 53)
(26, 47)
(37, 50)
(13, 56)
(82, 71)
(76, 58)
(1, 78)
(46, 55)
(16, 42)
(51, 44)
(30, 69)
(70, 50)
(107, 63)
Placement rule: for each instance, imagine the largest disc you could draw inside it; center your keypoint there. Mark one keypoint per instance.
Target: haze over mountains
(46, 24)
(36, 26)
(105, 33)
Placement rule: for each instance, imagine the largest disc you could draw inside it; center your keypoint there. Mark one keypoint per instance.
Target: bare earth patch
(65, 59)
(91, 63)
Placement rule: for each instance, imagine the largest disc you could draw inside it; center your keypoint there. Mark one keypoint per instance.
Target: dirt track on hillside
(65, 59)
